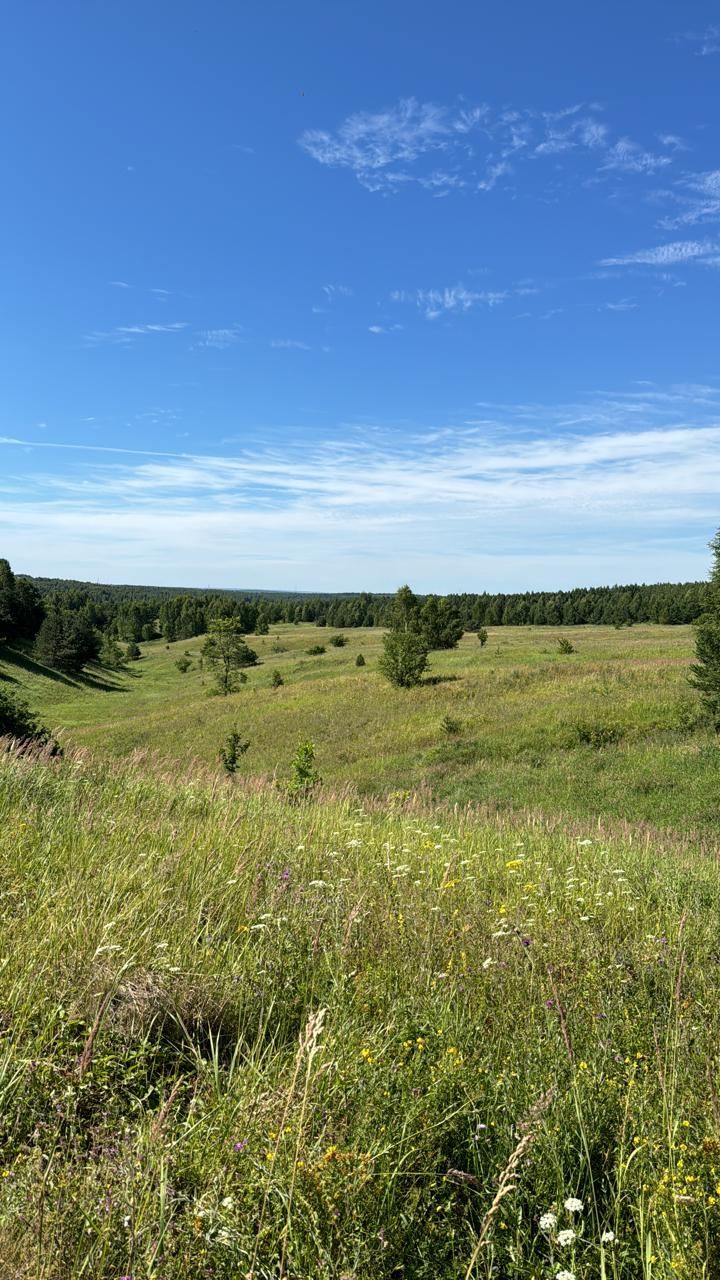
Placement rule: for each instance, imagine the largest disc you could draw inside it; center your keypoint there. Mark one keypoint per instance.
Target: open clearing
(611, 730)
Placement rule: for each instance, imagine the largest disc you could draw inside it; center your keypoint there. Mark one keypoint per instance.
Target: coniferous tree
(705, 672)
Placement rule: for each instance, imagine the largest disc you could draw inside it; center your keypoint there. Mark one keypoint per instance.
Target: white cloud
(467, 147)
(704, 42)
(626, 156)
(220, 339)
(333, 291)
(699, 194)
(126, 333)
(665, 255)
(289, 344)
(459, 299)
(451, 508)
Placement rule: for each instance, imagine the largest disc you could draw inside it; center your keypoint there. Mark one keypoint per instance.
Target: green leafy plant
(276, 679)
(315, 650)
(482, 636)
(183, 664)
(565, 646)
(451, 726)
(338, 642)
(360, 661)
(404, 658)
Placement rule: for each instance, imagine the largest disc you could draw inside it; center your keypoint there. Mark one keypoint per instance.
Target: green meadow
(611, 730)
(246, 1038)
(452, 1017)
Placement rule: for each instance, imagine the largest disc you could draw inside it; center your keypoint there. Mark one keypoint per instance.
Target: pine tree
(705, 672)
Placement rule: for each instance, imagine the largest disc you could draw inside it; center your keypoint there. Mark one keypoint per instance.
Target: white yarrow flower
(566, 1237)
(548, 1222)
(607, 1237)
(565, 1275)
(573, 1205)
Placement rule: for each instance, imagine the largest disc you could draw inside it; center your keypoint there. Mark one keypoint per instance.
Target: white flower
(566, 1237)
(548, 1222)
(565, 1275)
(573, 1205)
(607, 1237)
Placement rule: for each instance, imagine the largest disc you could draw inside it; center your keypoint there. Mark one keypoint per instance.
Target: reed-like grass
(241, 1037)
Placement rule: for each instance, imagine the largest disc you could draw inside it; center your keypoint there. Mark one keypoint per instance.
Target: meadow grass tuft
(246, 1037)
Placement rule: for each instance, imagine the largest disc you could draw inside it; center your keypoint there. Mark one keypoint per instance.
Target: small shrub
(183, 664)
(359, 661)
(233, 751)
(276, 679)
(482, 636)
(598, 735)
(338, 642)
(278, 648)
(315, 649)
(451, 726)
(304, 777)
(132, 653)
(564, 645)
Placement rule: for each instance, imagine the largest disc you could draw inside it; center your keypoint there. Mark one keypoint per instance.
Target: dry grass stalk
(508, 1178)
(85, 1059)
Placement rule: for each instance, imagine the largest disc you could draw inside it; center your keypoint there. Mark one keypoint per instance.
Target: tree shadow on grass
(439, 679)
(21, 659)
(91, 679)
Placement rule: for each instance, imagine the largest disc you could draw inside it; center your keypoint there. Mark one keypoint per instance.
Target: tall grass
(242, 1037)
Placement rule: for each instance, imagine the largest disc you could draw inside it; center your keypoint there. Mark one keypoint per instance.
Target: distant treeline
(133, 614)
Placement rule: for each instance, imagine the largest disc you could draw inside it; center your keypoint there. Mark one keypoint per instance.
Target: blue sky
(337, 295)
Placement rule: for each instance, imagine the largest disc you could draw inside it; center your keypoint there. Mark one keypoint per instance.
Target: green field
(381, 1033)
(612, 730)
(245, 1038)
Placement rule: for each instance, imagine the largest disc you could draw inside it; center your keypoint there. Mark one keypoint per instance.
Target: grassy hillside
(611, 729)
(242, 1038)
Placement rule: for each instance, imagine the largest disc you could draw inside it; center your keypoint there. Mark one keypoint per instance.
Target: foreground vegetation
(242, 1036)
(612, 729)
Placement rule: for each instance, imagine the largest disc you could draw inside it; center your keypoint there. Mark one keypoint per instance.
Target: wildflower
(548, 1222)
(607, 1237)
(240, 1145)
(566, 1237)
(572, 1204)
(565, 1275)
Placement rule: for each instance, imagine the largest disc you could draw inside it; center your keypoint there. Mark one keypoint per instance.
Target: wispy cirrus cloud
(433, 302)
(625, 156)
(219, 339)
(334, 291)
(625, 470)
(703, 43)
(290, 344)
(698, 194)
(665, 255)
(125, 334)
(443, 148)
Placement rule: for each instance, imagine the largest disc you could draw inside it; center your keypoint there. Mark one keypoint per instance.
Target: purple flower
(526, 941)
(240, 1144)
